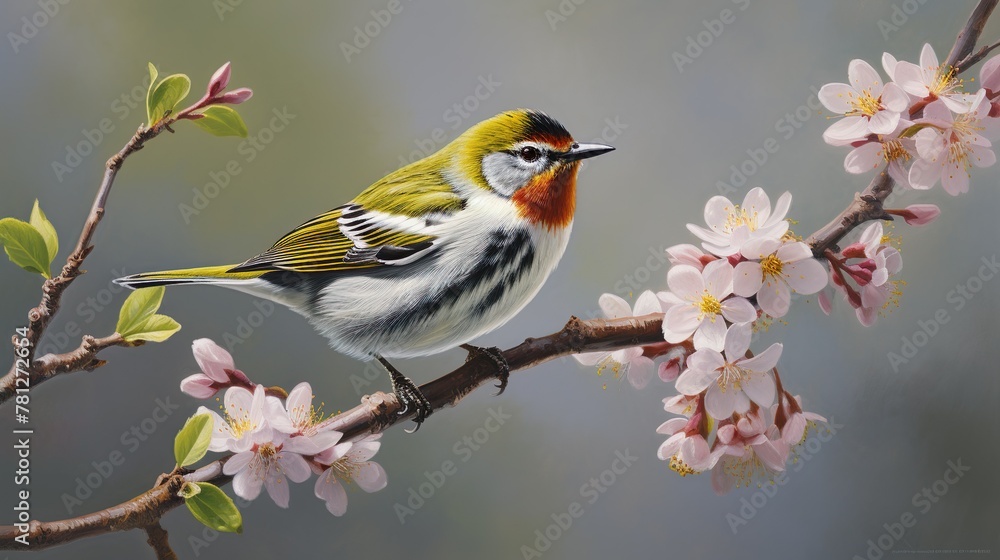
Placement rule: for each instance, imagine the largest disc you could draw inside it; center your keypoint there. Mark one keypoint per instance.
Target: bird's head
(527, 158)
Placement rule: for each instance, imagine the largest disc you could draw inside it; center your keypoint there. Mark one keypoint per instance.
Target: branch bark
(375, 414)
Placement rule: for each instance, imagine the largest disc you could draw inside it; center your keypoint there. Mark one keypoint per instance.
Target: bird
(431, 256)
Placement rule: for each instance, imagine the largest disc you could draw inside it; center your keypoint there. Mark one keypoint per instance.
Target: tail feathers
(203, 275)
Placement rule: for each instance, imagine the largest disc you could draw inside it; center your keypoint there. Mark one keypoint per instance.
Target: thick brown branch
(375, 413)
(868, 205)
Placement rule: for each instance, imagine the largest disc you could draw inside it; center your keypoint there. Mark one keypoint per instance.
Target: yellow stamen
(709, 306)
(771, 265)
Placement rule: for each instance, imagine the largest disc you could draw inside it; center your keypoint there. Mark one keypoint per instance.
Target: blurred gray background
(601, 69)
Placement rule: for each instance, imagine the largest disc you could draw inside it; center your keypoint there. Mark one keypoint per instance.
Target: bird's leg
(409, 395)
(493, 353)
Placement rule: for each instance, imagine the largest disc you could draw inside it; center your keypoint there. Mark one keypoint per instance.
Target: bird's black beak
(584, 151)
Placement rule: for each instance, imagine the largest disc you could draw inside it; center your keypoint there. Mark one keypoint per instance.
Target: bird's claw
(409, 396)
(493, 353)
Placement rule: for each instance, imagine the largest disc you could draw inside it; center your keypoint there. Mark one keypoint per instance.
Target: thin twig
(156, 536)
(53, 288)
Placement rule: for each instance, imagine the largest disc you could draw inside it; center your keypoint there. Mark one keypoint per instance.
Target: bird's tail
(202, 275)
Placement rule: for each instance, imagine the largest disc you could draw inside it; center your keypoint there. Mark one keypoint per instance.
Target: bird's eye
(530, 153)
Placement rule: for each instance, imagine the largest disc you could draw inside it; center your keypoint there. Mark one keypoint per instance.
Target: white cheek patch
(505, 174)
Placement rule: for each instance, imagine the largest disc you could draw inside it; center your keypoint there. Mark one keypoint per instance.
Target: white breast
(483, 272)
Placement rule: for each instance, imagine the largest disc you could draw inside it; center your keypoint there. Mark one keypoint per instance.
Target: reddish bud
(854, 251)
(918, 214)
(219, 80)
(235, 97)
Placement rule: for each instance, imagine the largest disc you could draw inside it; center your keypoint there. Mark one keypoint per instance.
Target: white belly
(476, 281)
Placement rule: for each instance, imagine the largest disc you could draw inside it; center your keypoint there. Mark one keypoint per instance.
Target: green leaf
(153, 73)
(156, 328)
(189, 490)
(165, 97)
(212, 507)
(25, 246)
(192, 441)
(222, 121)
(138, 320)
(48, 231)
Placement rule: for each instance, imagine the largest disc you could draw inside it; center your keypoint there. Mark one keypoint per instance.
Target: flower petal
(614, 307)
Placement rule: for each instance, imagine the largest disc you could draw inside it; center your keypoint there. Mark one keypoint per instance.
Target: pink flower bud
(199, 386)
(854, 251)
(235, 97)
(212, 359)
(219, 80)
(686, 253)
(670, 369)
(920, 214)
(989, 75)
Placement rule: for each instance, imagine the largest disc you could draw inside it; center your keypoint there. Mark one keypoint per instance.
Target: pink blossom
(629, 363)
(868, 106)
(700, 303)
(731, 225)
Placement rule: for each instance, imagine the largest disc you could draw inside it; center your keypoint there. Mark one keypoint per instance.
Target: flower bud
(219, 80)
(670, 369)
(235, 97)
(199, 386)
(919, 214)
(212, 359)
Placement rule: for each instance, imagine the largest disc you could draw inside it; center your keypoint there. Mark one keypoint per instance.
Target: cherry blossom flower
(271, 464)
(682, 404)
(779, 269)
(298, 417)
(792, 421)
(752, 452)
(699, 301)
(732, 379)
(686, 448)
(946, 154)
(878, 262)
(244, 425)
(868, 105)
(731, 225)
(886, 149)
(628, 362)
(350, 462)
(686, 253)
(932, 80)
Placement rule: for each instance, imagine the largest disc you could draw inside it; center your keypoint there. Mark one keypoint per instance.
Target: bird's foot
(493, 353)
(409, 395)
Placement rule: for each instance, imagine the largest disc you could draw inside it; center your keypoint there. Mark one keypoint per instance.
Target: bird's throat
(550, 198)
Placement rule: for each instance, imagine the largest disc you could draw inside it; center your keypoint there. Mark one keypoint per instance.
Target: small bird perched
(431, 256)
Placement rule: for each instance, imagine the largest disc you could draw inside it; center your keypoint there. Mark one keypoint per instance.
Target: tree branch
(868, 205)
(53, 288)
(375, 414)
